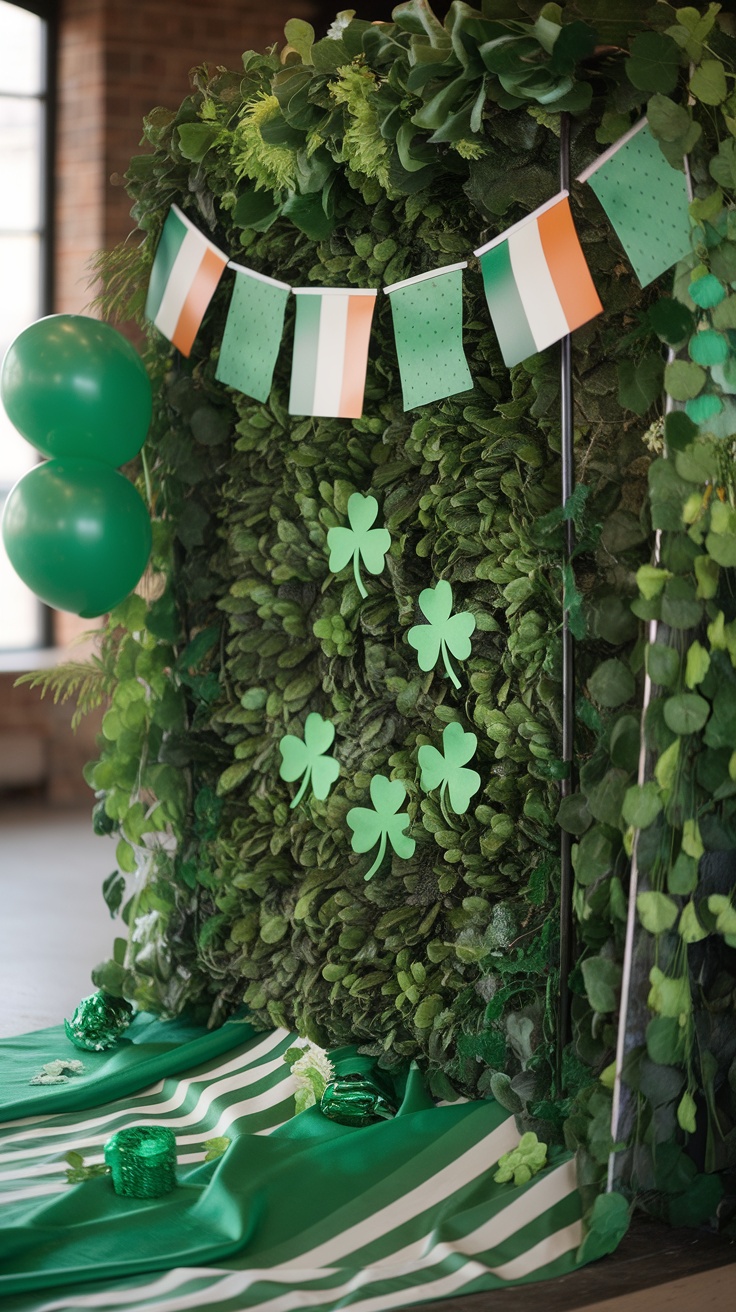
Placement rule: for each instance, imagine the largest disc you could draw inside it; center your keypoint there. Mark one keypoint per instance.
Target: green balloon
(78, 534)
(75, 387)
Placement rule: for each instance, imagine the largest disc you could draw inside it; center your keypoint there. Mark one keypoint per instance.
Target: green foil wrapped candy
(142, 1161)
(99, 1022)
(356, 1099)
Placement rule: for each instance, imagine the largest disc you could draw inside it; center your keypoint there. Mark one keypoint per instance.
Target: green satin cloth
(149, 1050)
(286, 1189)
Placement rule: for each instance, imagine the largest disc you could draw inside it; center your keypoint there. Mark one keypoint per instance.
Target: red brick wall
(117, 61)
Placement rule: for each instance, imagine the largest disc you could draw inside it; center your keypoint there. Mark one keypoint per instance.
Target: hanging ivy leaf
(657, 912)
(654, 63)
(602, 981)
(708, 82)
(642, 805)
(686, 713)
(611, 684)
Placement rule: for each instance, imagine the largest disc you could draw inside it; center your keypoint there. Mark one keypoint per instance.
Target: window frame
(47, 11)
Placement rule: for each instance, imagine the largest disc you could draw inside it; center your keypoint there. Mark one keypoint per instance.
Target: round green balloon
(78, 534)
(75, 387)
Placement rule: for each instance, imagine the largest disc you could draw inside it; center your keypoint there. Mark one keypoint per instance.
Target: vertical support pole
(568, 670)
(632, 1012)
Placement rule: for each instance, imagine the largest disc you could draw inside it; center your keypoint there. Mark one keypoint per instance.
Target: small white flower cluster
(54, 1072)
(312, 1071)
(144, 927)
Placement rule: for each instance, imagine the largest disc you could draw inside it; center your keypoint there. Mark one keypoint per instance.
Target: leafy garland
(364, 158)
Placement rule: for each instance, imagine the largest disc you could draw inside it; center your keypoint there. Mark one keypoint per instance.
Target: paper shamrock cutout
(445, 633)
(383, 822)
(307, 757)
(360, 540)
(449, 769)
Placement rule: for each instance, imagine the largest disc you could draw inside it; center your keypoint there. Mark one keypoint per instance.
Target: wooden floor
(54, 927)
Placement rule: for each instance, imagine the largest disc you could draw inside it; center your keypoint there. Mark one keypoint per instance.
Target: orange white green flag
(330, 360)
(186, 270)
(537, 282)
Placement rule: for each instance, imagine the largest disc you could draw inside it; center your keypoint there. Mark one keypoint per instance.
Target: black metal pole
(567, 937)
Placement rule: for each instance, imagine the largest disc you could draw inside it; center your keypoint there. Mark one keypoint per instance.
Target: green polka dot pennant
(428, 329)
(252, 337)
(646, 201)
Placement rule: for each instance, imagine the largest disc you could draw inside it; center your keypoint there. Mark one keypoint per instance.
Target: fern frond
(90, 683)
(123, 275)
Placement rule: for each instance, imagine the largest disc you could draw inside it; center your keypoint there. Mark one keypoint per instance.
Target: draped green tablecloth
(299, 1212)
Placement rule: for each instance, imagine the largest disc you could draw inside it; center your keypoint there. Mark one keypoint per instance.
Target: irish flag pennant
(252, 337)
(331, 337)
(186, 270)
(428, 329)
(646, 201)
(537, 283)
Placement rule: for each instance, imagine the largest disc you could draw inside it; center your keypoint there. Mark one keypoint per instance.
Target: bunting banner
(186, 270)
(537, 282)
(646, 201)
(427, 315)
(331, 340)
(252, 337)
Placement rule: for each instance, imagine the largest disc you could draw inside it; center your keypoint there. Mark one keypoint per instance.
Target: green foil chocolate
(356, 1099)
(99, 1022)
(142, 1161)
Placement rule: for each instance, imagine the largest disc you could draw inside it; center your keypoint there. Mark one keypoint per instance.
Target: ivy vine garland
(361, 159)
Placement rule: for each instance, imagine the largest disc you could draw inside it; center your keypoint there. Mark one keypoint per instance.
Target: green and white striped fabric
(299, 1212)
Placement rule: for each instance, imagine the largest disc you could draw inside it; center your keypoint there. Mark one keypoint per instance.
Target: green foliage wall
(360, 159)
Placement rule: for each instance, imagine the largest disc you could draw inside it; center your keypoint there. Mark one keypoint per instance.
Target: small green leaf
(686, 713)
(690, 928)
(654, 63)
(657, 912)
(605, 1227)
(724, 911)
(428, 1008)
(682, 877)
(692, 843)
(708, 82)
(640, 384)
(642, 805)
(611, 684)
(300, 35)
(663, 664)
(651, 580)
(667, 996)
(686, 1113)
(706, 572)
(665, 771)
(216, 1147)
(697, 664)
(683, 379)
(602, 981)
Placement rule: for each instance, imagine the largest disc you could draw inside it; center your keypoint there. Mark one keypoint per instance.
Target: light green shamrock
(445, 633)
(449, 769)
(524, 1161)
(383, 822)
(359, 540)
(307, 757)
